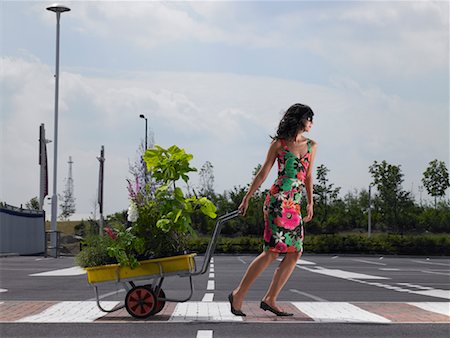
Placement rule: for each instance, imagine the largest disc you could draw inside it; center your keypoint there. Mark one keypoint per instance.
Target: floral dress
(283, 231)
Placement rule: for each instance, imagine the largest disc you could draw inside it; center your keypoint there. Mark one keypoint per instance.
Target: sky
(215, 78)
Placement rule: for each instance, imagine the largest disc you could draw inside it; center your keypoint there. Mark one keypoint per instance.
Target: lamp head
(142, 116)
(58, 8)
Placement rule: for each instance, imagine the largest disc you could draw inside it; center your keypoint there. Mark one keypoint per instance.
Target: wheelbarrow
(143, 301)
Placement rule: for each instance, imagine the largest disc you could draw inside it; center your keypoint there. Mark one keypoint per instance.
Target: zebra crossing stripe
(338, 312)
(70, 312)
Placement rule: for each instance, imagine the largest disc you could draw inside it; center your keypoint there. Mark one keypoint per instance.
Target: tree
(388, 180)
(33, 204)
(67, 200)
(325, 192)
(436, 180)
(207, 179)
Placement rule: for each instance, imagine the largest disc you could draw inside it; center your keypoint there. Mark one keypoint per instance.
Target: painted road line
(338, 312)
(205, 334)
(438, 307)
(73, 271)
(70, 312)
(211, 275)
(434, 293)
(300, 262)
(437, 273)
(195, 311)
(368, 262)
(308, 295)
(416, 286)
(433, 263)
(211, 269)
(3, 290)
(241, 260)
(210, 285)
(388, 269)
(211, 265)
(208, 297)
(342, 273)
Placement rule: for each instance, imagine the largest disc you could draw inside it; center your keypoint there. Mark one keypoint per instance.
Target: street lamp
(143, 117)
(58, 9)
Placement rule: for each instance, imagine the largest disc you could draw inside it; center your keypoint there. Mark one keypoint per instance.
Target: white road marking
(211, 269)
(334, 257)
(308, 295)
(300, 262)
(437, 273)
(388, 269)
(70, 312)
(212, 260)
(368, 262)
(208, 297)
(205, 334)
(210, 285)
(240, 259)
(3, 290)
(434, 263)
(416, 286)
(193, 311)
(434, 293)
(338, 312)
(211, 275)
(342, 273)
(438, 307)
(73, 271)
(211, 265)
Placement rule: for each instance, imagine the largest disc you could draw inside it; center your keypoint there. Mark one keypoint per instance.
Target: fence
(22, 231)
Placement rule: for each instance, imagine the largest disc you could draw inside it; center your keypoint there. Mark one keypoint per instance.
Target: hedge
(385, 244)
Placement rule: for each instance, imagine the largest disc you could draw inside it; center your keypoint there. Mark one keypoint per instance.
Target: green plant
(159, 216)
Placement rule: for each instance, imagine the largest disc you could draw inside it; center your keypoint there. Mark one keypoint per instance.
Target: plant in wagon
(158, 220)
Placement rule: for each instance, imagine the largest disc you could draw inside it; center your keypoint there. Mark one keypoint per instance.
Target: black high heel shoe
(267, 307)
(233, 310)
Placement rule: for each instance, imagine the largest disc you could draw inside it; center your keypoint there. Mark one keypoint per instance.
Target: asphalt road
(322, 279)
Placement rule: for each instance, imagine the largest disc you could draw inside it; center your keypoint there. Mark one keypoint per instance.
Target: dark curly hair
(293, 120)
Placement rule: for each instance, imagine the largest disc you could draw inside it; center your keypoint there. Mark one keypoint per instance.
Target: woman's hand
(244, 206)
(310, 213)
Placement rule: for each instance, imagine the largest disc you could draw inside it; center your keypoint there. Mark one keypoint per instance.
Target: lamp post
(58, 9)
(142, 116)
(370, 213)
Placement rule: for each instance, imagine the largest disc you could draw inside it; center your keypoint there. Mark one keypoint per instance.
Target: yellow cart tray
(158, 266)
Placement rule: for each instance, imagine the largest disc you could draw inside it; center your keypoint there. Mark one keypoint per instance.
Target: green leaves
(168, 165)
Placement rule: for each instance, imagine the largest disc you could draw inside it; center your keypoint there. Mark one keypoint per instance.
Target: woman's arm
(309, 185)
(261, 175)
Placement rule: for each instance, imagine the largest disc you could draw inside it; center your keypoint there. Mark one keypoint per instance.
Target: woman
(283, 232)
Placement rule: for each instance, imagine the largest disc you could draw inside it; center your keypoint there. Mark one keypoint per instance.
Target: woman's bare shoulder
(313, 143)
(276, 144)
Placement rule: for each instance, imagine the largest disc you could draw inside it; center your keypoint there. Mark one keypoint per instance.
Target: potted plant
(159, 218)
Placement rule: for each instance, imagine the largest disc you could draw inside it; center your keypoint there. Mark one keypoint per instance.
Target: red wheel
(140, 302)
(159, 303)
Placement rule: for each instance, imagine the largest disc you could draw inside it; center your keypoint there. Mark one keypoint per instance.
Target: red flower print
(289, 219)
(267, 234)
(281, 247)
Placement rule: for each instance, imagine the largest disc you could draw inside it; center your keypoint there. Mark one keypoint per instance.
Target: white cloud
(222, 118)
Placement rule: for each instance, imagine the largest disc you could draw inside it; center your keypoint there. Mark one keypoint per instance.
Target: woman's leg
(280, 277)
(255, 268)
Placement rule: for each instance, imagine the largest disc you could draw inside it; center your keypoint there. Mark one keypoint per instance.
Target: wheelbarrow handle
(215, 236)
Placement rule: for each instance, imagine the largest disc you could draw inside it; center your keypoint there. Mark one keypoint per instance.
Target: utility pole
(43, 177)
(101, 159)
(420, 194)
